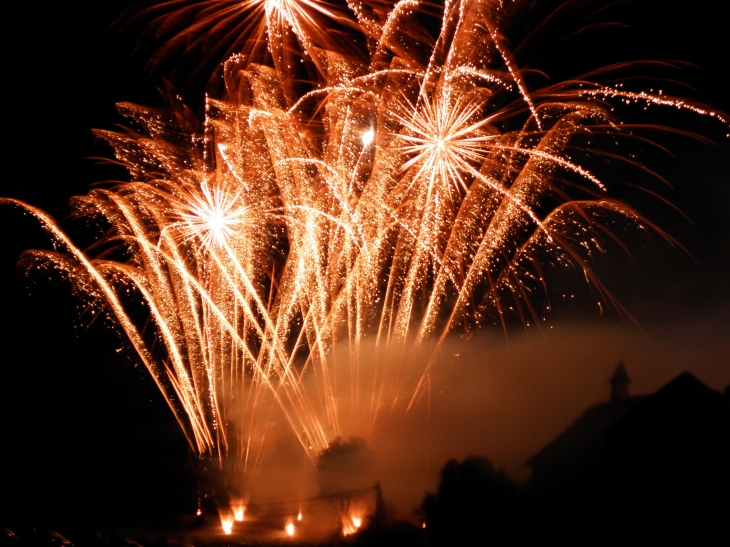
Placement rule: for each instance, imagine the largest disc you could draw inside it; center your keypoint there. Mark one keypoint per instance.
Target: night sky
(86, 436)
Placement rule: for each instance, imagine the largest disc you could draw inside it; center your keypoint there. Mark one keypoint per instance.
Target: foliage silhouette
(473, 500)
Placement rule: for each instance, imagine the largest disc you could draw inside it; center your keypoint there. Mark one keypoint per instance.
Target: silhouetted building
(659, 463)
(674, 449)
(571, 460)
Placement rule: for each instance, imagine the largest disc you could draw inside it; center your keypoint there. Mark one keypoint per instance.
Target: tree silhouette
(474, 504)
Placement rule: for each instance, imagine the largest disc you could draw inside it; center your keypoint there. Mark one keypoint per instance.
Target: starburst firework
(211, 215)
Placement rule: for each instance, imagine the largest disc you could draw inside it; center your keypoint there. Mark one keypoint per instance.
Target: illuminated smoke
(345, 466)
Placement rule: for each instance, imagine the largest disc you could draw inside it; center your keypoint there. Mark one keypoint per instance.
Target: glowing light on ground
(351, 523)
(238, 511)
(227, 524)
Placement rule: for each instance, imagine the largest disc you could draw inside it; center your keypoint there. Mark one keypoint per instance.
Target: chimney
(620, 383)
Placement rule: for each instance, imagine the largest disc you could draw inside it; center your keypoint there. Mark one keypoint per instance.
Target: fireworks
(311, 246)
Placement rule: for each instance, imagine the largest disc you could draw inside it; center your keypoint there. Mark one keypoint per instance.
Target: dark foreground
(400, 534)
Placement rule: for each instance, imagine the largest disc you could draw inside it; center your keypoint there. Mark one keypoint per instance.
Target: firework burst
(307, 252)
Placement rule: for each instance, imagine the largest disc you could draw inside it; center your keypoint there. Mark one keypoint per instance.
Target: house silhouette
(657, 463)
(579, 452)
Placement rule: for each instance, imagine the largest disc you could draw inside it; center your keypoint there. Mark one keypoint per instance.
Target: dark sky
(85, 434)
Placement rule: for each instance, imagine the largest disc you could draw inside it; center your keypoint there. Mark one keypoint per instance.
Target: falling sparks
(269, 246)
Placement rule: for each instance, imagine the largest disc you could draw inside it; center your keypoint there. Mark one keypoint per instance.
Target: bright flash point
(299, 516)
(227, 524)
(212, 216)
(368, 137)
(357, 522)
(289, 528)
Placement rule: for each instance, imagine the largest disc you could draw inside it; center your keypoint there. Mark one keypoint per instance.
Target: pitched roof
(585, 434)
